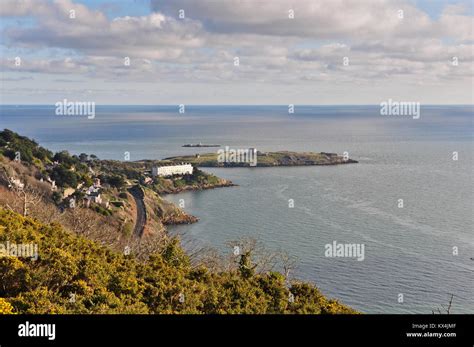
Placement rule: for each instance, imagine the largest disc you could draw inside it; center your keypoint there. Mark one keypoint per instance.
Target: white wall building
(170, 170)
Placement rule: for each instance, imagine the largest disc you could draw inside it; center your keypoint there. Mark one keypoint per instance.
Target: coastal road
(140, 222)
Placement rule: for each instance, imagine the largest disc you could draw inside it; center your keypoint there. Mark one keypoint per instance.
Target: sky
(255, 52)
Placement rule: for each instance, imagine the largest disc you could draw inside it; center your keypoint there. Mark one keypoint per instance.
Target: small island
(200, 145)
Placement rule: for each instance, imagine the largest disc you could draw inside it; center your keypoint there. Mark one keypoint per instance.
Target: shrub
(104, 281)
(64, 177)
(5, 307)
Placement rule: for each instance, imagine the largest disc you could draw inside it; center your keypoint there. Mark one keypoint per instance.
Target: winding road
(140, 222)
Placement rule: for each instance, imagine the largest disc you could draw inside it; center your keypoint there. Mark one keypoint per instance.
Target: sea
(409, 201)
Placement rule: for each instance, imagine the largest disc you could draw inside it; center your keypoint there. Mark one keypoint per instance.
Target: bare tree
(28, 195)
(288, 264)
(263, 259)
(446, 310)
(143, 247)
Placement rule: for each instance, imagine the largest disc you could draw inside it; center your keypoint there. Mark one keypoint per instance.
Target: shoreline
(194, 189)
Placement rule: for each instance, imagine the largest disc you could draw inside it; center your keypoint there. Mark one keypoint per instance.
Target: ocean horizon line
(239, 105)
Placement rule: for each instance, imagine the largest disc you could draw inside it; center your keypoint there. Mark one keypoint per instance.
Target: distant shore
(266, 159)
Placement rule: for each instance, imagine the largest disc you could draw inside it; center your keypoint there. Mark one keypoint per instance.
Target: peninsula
(266, 159)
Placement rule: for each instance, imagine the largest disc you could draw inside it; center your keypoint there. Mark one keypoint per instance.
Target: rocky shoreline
(177, 220)
(196, 188)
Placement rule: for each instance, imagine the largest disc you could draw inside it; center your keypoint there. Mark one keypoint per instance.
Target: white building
(92, 190)
(16, 184)
(170, 170)
(88, 199)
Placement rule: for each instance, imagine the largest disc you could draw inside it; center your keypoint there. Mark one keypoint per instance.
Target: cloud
(358, 19)
(380, 42)
(90, 32)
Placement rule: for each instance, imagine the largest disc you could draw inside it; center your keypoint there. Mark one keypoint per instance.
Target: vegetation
(76, 275)
(282, 158)
(68, 171)
(5, 307)
(64, 177)
(63, 168)
(198, 180)
(12, 143)
(103, 211)
(131, 170)
(115, 181)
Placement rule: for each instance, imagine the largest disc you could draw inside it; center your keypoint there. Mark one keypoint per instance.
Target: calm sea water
(408, 250)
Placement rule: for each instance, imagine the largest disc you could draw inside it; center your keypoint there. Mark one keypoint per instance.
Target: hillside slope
(76, 275)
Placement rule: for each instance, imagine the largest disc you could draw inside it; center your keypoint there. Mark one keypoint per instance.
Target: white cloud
(273, 49)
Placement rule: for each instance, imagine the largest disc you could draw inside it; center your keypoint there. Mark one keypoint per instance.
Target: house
(92, 190)
(16, 184)
(53, 183)
(92, 195)
(94, 198)
(172, 169)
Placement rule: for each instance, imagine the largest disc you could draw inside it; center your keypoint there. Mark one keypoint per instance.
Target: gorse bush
(75, 275)
(5, 307)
